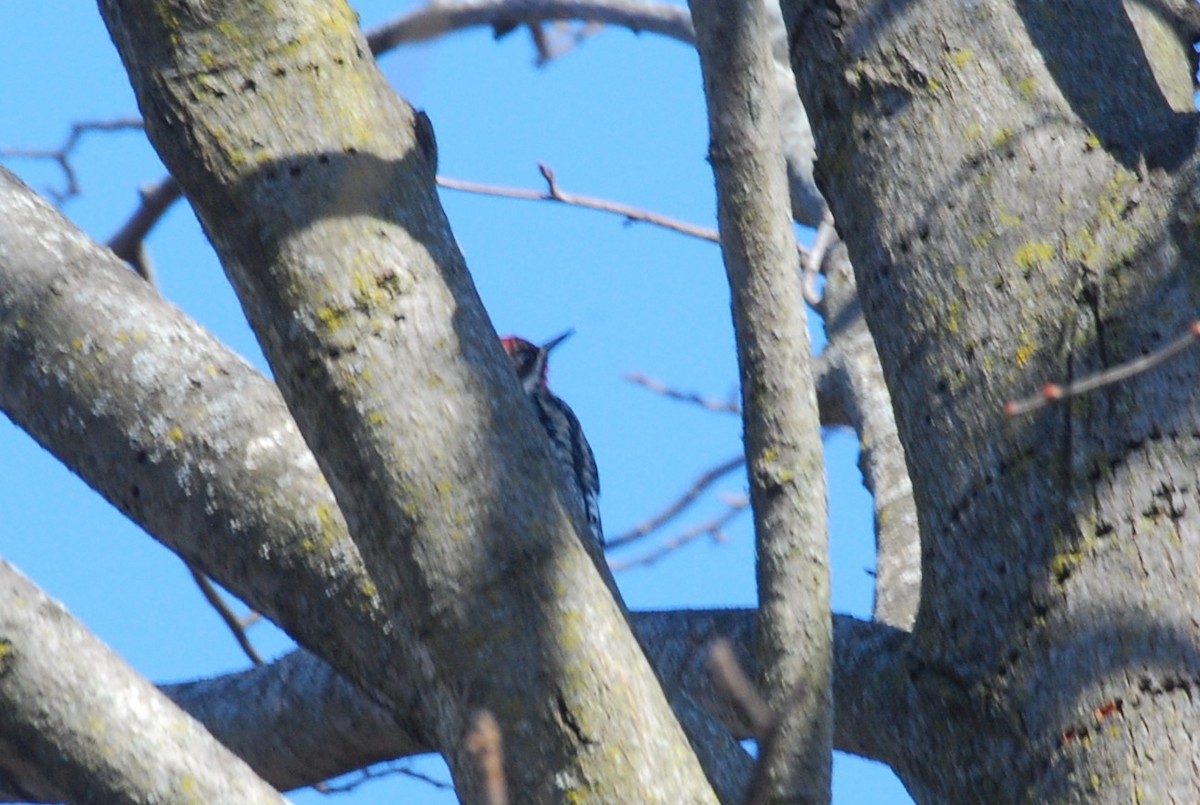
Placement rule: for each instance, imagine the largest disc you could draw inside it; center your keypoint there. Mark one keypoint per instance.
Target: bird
(570, 447)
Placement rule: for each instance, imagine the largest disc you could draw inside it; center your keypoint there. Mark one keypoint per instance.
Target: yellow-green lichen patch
(1033, 253)
(961, 57)
(372, 290)
(332, 318)
(1064, 564)
(982, 240)
(1083, 248)
(1006, 218)
(1025, 352)
(1028, 88)
(189, 787)
(329, 529)
(953, 311)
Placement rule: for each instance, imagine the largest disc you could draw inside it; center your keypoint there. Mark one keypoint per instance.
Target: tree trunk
(1019, 207)
(315, 184)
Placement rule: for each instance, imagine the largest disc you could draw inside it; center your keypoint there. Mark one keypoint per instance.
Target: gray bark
(783, 448)
(78, 724)
(1018, 204)
(1018, 208)
(332, 236)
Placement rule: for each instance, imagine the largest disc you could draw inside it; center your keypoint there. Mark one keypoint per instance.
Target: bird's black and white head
(530, 360)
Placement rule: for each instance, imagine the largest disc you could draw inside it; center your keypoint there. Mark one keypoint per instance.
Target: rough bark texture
(1015, 183)
(92, 728)
(297, 723)
(1018, 206)
(854, 378)
(782, 433)
(315, 184)
(173, 429)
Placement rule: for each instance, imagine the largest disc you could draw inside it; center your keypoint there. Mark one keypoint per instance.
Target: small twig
(689, 497)
(554, 193)
(128, 242)
(712, 527)
(658, 387)
(62, 154)
(1053, 392)
(484, 744)
(631, 214)
(377, 773)
(568, 36)
(826, 237)
(733, 683)
(540, 45)
(250, 619)
(214, 599)
(562, 38)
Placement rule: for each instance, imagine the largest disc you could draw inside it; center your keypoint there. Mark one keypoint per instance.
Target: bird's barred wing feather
(573, 450)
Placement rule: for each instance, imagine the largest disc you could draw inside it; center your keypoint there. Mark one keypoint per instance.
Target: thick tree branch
(296, 722)
(287, 553)
(78, 724)
(332, 236)
(172, 429)
(782, 429)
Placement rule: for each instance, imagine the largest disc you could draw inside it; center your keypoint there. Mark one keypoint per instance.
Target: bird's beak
(558, 339)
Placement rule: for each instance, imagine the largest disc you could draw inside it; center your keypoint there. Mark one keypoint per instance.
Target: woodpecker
(571, 447)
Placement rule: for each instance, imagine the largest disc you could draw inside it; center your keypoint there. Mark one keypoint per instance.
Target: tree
(1016, 210)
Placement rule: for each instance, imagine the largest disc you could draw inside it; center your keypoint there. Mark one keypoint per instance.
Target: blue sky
(621, 117)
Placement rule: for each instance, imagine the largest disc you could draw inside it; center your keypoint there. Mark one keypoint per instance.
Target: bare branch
(784, 453)
(438, 19)
(62, 154)
(485, 743)
(852, 392)
(1054, 392)
(732, 681)
(555, 193)
(679, 505)
(380, 772)
(232, 621)
(658, 387)
(826, 237)
(712, 527)
(80, 724)
(128, 242)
